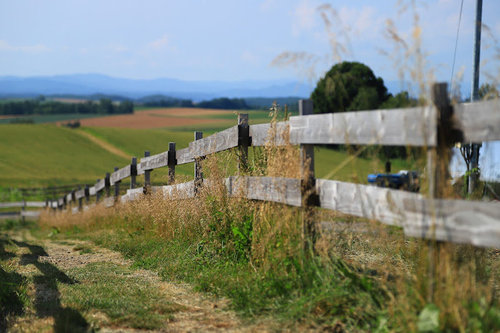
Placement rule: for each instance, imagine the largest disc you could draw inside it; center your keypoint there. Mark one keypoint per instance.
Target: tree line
(352, 86)
(216, 103)
(42, 107)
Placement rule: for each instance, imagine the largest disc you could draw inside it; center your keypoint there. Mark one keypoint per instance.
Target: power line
(456, 45)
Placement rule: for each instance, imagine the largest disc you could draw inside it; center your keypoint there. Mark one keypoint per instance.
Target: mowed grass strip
(39, 155)
(127, 297)
(68, 294)
(136, 141)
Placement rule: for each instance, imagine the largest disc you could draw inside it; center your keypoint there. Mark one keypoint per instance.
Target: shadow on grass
(47, 297)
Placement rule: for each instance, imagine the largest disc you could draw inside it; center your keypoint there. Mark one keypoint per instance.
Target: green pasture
(135, 141)
(41, 155)
(331, 164)
(344, 166)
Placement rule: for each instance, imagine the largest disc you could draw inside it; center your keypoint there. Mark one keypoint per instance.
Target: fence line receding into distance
(436, 128)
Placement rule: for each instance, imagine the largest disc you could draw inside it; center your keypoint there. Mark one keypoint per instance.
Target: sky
(232, 40)
(236, 40)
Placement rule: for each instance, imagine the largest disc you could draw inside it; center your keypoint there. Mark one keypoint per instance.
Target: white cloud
(304, 17)
(117, 48)
(250, 58)
(38, 48)
(160, 43)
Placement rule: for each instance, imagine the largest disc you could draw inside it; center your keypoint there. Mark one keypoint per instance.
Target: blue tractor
(403, 180)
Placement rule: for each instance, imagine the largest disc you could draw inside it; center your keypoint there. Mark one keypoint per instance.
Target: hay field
(161, 118)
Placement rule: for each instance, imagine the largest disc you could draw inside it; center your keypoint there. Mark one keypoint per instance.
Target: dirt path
(75, 286)
(105, 145)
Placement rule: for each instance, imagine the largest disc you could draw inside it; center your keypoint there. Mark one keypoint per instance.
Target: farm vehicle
(403, 180)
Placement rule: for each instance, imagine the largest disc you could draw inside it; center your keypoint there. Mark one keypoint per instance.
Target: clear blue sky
(238, 39)
(227, 39)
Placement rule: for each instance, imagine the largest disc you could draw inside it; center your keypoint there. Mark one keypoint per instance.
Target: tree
(125, 107)
(401, 100)
(106, 106)
(349, 86)
(224, 103)
(488, 91)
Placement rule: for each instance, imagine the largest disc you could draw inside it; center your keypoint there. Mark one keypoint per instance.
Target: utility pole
(474, 176)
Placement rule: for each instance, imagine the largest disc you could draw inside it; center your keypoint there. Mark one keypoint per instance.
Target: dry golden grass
(412, 273)
(157, 118)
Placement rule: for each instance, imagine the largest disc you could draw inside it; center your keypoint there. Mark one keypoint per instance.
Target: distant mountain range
(86, 85)
(89, 84)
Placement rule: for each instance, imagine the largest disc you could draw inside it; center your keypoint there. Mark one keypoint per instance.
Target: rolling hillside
(39, 155)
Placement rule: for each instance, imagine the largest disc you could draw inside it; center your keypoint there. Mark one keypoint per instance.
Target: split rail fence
(436, 128)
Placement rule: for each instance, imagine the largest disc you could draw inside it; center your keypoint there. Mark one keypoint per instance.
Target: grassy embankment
(363, 277)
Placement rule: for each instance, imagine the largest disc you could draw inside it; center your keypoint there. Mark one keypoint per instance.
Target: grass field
(149, 117)
(365, 276)
(38, 155)
(46, 155)
(135, 141)
(41, 155)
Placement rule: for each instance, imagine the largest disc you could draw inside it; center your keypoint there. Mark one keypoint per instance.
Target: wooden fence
(436, 128)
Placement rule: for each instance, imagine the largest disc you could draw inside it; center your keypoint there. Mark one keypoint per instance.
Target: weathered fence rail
(434, 127)
(23, 204)
(23, 213)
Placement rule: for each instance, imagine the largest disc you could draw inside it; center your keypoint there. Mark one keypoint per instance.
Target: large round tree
(349, 86)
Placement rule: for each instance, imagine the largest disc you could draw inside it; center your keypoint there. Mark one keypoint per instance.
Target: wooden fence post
(447, 136)
(23, 209)
(147, 176)
(308, 185)
(80, 201)
(438, 159)
(87, 194)
(107, 185)
(117, 187)
(73, 199)
(97, 194)
(133, 172)
(172, 161)
(243, 142)
(198, 174)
